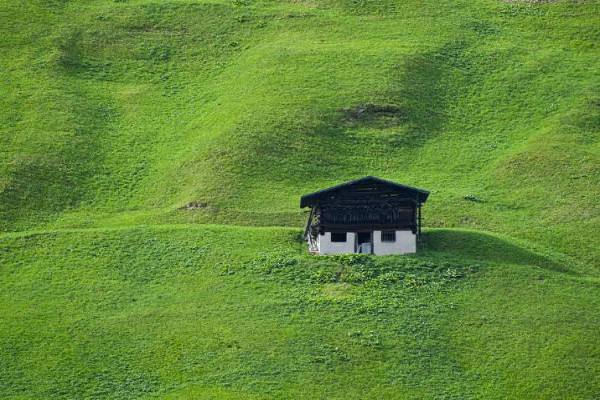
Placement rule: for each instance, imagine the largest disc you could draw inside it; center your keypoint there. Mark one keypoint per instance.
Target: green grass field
(116, 115)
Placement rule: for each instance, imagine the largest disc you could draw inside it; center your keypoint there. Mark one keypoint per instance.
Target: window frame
(385, 239)
(336, 240)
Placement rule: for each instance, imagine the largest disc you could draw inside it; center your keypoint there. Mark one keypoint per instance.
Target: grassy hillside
(127, 126)
(211, 312)
(120, 112)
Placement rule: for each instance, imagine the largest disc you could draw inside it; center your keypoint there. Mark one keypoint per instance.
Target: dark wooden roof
(418, 195)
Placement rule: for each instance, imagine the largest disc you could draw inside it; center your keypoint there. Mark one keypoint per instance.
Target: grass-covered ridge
(209, 312)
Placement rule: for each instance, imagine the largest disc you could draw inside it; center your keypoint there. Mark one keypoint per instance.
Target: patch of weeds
(361, 269)
(355, 277)
(337, 291)
(525, 8)
(194, 205)
(386, 114)
(324, 276)
(298, 237)
(452, 274)
(98, 382)
(226, 269)
(329, 355)
(353, 259)
(69, 51)
(243, 18)
(473, 198)
(414, 281)
(273, 264)
(156, 53)
(368, 339)
(482, 28)
(389, 278)
(158, 261)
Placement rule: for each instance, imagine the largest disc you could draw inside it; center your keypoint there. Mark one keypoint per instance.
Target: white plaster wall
(406, 242)
(326, 246)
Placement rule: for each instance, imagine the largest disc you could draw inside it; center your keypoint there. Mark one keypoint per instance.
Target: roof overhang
(309, 200)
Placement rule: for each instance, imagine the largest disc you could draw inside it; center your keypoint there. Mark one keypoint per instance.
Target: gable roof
(311, 198)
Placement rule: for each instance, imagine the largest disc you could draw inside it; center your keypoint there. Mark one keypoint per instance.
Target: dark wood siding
(366, 204)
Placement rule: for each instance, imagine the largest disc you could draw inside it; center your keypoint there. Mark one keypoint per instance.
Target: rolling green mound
(152, 156)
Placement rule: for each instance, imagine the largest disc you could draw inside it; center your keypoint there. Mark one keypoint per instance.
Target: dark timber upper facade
(370, 211)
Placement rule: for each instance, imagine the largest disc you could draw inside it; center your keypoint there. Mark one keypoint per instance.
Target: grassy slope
(117, 113)
(209, 312)
(121, 112)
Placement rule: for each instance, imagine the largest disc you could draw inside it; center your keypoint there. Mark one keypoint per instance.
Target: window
(338, 237)
(388, 236)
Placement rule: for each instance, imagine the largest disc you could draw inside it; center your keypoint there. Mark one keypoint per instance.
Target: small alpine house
(368, 215)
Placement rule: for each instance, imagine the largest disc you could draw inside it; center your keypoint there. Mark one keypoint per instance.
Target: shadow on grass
(341, 143)
(485, 248)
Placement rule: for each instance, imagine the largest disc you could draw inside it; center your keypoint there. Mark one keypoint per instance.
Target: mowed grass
(143, 142)
(211, 312)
